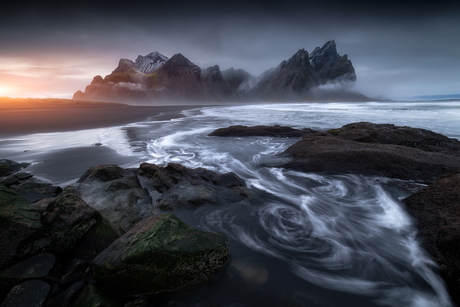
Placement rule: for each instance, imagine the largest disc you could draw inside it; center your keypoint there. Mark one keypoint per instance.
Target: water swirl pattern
(322, 239)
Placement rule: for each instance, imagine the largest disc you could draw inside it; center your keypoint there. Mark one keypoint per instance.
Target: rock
(18, 222)
(31, 188)
(91, 296)
(436, 208)
(65, 220)
(31, 293)
(158, 254)
(49, 225)
(8, 167)
(96, 239)
(377, 150)
(68, 296)
(423, 139)
(181, 187)
(274, 131)
(38, 266)
(116, 194)
(73, 271)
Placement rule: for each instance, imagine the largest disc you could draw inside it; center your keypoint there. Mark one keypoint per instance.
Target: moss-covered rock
(91, 296)
(18, 221)
(160, 253)
(65, 220)
(8, 167)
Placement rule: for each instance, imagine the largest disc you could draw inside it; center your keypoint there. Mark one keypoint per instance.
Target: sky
(399, 49)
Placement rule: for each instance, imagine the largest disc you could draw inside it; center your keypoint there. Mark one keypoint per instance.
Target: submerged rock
(182, 187)
(436, 209)
(381, 150)
(160, 253)
(275, 131)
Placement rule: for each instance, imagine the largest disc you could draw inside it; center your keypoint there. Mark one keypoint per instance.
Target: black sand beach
(22, 117)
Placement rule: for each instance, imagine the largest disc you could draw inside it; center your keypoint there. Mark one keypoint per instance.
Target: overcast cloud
(398, 48)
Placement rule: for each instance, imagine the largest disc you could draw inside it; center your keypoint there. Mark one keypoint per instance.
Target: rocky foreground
(99, 242)
(103, 242)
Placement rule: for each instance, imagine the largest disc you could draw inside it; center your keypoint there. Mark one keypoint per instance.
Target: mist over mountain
(320, 75)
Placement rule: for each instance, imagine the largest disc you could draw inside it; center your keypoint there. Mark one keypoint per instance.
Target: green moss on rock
(160, 253)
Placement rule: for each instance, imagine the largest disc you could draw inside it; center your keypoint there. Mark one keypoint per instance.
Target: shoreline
(72, 126)
(28, 116)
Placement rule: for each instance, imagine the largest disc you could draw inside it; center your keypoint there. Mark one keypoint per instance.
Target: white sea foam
(342, 232)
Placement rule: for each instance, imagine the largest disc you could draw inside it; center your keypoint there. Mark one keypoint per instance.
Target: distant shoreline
(21, 116)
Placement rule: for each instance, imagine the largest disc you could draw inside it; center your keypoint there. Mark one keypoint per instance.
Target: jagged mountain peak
(143, 64)
(156, 78)
(299, 59)
(324, 54)
(149, 63)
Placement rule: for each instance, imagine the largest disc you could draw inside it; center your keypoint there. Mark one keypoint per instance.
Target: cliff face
(154, 78)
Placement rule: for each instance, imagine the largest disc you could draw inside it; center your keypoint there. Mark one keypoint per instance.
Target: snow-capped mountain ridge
(149, 63)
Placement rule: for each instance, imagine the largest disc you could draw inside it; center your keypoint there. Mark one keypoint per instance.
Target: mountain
(321, 75)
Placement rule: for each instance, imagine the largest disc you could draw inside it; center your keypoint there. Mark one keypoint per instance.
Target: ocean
(312, 239)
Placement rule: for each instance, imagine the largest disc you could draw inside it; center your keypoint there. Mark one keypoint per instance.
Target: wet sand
(25, 116)
(63, 164)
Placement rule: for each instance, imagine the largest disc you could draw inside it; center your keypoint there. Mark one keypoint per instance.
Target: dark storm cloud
(388, 41)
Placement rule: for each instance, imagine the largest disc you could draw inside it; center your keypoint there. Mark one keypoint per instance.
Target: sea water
(309, 239)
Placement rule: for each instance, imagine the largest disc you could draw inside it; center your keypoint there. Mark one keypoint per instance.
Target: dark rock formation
(49, 225)
(275, 131)
(18, 222)
(116, 194)
(181, 187)
(38, 266)
(425, 140)
(8, 167)
(330, 65)
(154, 78)
(160, 253)
(436, 209)
(31, 188)
(370, 149)
(293, 79)
(91, 296)
(32, 293)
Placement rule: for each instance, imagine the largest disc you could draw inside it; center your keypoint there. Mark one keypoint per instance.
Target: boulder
(158, 254)
(436, 208)
(423, 139)
(48, 225)
(182, 187)
(18, 222)
(377, 150)
(31, 293)
(116, 194)
(274, 131)
(65, 220)
(8, 167)
(91, 296)
(35, 267)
